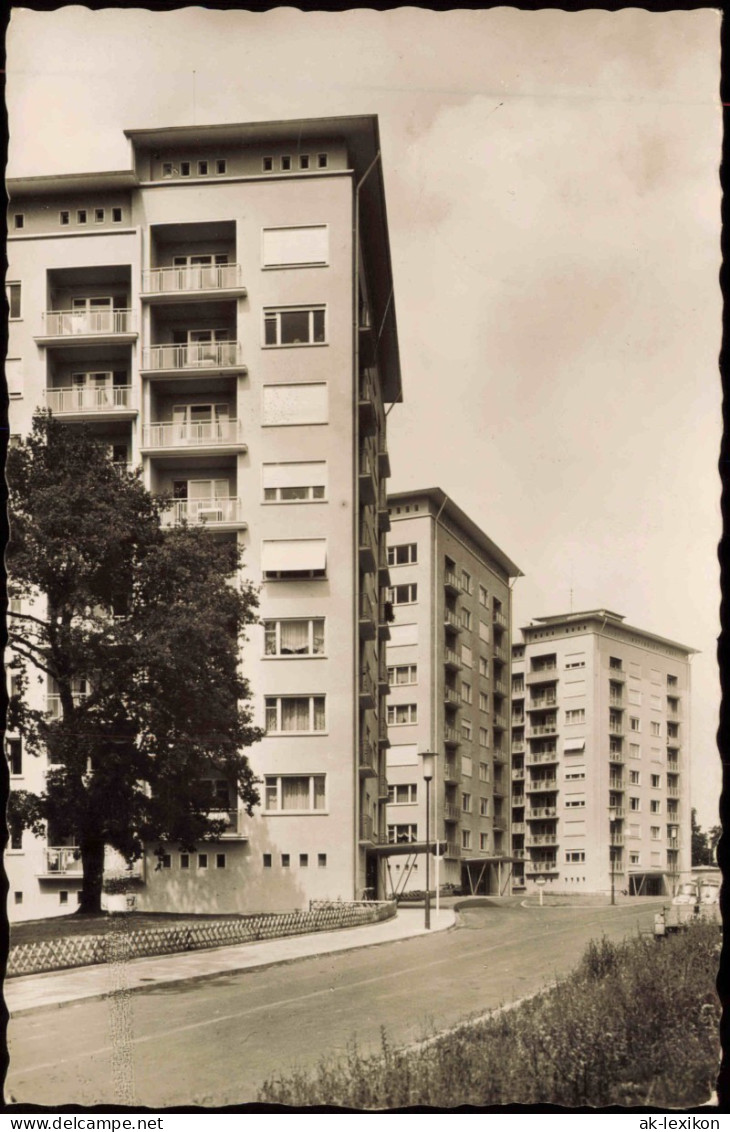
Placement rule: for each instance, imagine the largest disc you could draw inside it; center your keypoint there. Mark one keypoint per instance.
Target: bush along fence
(128, 943)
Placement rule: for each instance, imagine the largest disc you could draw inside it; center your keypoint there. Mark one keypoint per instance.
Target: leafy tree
(703, 851)
(140, 629)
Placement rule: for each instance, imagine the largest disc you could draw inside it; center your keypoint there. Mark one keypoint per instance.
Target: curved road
(214, 1042)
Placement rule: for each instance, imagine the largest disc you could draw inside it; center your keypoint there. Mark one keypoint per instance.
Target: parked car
(695, 899)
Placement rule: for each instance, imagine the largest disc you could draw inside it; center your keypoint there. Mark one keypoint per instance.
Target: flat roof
(71, 182)
(441, 500)
(346, 126)
(607, 617)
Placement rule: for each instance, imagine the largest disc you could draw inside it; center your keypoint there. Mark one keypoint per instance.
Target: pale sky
(554, 210)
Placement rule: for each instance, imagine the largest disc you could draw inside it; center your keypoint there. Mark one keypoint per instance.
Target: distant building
(600, 756)
(222, 314)
(448, 671)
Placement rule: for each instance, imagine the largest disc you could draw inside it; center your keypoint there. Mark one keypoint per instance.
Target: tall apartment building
(448, 670)
(222, 313)
(600, 756)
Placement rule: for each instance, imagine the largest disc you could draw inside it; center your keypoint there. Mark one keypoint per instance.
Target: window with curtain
(295, 792)
(295, 713)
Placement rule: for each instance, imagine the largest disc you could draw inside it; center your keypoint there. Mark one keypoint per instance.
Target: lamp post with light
(428, 767)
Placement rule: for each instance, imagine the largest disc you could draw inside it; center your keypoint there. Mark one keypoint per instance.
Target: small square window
(220, 166)
(303, 860)
(18, 897)
(81, 216)
(166, 169)
(202, 860)
(322, 860)
(19, 220)
(64, 217)
(184, 168)
(268, 164)
(63, 897)
(202, 168)
(322, 160)
(220, 860)
(285, 860)
(116, 215)
(184, 860)
(98, 215)
(286, 163)
(303, 160)
(267, 860)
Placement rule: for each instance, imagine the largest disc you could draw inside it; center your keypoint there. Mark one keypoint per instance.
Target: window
(403, 795)
(403, 595)
(321, 860)
(575, 664)
(466, 693)
(301, 793)
(399, 834)
(403, 674)
(634, 858)
(202, 860)
(294, 326)
(300, 637)
(220, 166)
(81, 216)
(575, 715)
(655, 806)
(290, 560)
(116, 216)
(634, 723)
(167, 169)
(296, 246)
(304, 860)
(635, 804)
(303, 160)
(466, 656)
(483, 666)
(295, 404)
(18, 897)
(16, 833)
(294, 713)
(64, 217)
(574, 775)
(655, 833)
(615, 663)
(267, 164)
(202, 168)
(634, 777)
(403, 554)
(484, 772)
(184, 860)
(63, 897)
(575, 856)
(12, 294)
(466, 839)
(14, 748)
(483, 596)
(484, 842)
(671, 681)
(19, 221)
(98, 215)
(483, 737)
(634, 751)
(466, 730)
(466, 766)
(268, 860)
(295, 483)
(165, 861)
(286, 163)
(483, 632)
(655, 728)
(321, 160)
(220, 860)
(466, 803)
(465, 618)
(285, 860)
(483, 701)
(574, 803)
(467, 584)
(184, 168)
(656, 781)
(402, 713)
(484, 807)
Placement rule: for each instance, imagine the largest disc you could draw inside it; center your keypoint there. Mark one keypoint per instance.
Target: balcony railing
(203, 277)
(451, 772)
(615, 727)
(673, 791)
(518, 745)
(546, 674)
(541, 839)
(539, 784)
(452, 582)
(211, 512)
(383, 788)
(89, 399)
(542, 757)
(500, 688)
(367, 829)
(367, 687)
(368, 756)
(499, 618)
(499, 721)
(518, 827)
(616, 700)
(616, 783)
(233, 822)
(452, 850)
(616, 813)
(542, 729)
(518, 774)
(451, 812)
(452, 659)
(451, 696)
(500, 653)
(617, 839)
(539, 813)
(499, 822)
(452, 621)
(451, 735)
(616, 756)
(538, 702)
(198, 434)
(537, 868)
(64, 860)
(199, 355)
(59, 324)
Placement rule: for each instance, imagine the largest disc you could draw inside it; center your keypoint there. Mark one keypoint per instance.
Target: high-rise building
(600, 757)
(222, 313)
(448, 670)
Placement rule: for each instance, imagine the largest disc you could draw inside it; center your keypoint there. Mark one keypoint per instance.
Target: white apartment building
(600, 757)
(222, 313)
(448, 671)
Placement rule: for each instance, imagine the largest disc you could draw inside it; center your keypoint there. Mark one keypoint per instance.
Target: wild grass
(635, 1024)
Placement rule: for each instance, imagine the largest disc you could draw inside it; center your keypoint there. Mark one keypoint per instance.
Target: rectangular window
(467, 584)
(98, 215)
(403, 674)
(220, 860)
(465, 618)
(484, 842)
(634, 777)
(403, 595)
(402, 713)
(402, 834)
(575, 803)
(655, 806)
(634, 751)
(295, 404)
(298, 793)
(12, 294)
(295, 559)
(63, 897)
(202, 860)
(575, 856)
(299, 714)
(303, 160)
(295, 483)
(574, 775)
(286, 163)
(116, 216)
(14, 748)
(294, 326)
(296, 246)
(267, 164)
(321, 160)
(304, 860)
(483, 701)
(484, 772)
(166, 861)
(483, 666)
(184, 860)
(81, 216)
(18, 897)
(483, 737)
(321, 860)
(299, 637)
(671, 681)
(268, 860)
(285, 860)
(403, 554)
(202, 168)
(655, 728)
(466, 730)
(484, 632)
(466, 839)
(466, 656)
(220, 166)
(576, 715)
(64, 217)
(634, 804)
(634, 858)
(184, 168)
(615, 663)
(483, 596)
(16, 834)
(655, 833)
(19, 221)
(466, 803)
(484, 807)
(167, 170)
(466, 693)
(466, 766)
(656, 781)
(634, 723)
(403, 794)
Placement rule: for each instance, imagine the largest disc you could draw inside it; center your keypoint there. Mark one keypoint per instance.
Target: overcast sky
(553, 200)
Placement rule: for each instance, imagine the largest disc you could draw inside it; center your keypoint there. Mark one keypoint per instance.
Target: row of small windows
(62, 897)
(203, 168)
(188, 860)
(268, 860)
(84, 215)
(287, 163)
(218, 167)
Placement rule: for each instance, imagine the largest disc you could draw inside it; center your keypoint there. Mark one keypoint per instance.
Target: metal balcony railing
(202, 277)
(539, 784)
(541, 757)
(451, 696)
(212, 512)
(539, 813)
(199, 355)
(194, 434)
(518, 827)
(541, 839)
(62, 323)
(542, 729)
(451, 772)
(452, 621)
(451, 735)
(64, 860)
(450, 812)
(89, 399)
(499, 618)
(452, 658)
(452, 582)
(536, 868)
(518, 745)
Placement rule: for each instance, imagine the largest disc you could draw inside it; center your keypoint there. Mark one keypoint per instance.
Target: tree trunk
(92, 860)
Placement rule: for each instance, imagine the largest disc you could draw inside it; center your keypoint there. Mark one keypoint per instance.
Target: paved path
(35, 992)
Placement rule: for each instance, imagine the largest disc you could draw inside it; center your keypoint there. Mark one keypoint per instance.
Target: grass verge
(636, 1024)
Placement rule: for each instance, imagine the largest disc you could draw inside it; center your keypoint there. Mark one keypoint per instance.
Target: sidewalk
(29, 993)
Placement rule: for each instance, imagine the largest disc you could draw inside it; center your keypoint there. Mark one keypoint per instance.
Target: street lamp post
(428, 766)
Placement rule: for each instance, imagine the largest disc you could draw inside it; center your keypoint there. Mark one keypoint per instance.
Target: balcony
(500, 688)
(541, 758)
(168, 284)
(366, 617)
(518, 746)
(366, 690)
(452, 659)
(383, 681)
(383, 788)
(518, 774)
(63, 861)
(383, 740)
(367, 759)
(366, 543)
(383, 514)
(616, 784)
(534, 839)
(673, 791)
(233, 824)
(499, 721)
(540, 813)
(518, 828)
(617, 757)
(193, 359)
(498, 618)
(539, 703)
(383, 567)
(220, 436)
(111, 402)
(452, 583)
(452, 697)
(499, 788)
(616, 839)
(367, 396)
(542, 675)
(540, 868)
(452, 850)
(383, 460)
(451, 772)
(368, 831)
(451, 621)
(616, 700)
(452, 738)
(451, 812)
(220, 512)
(616, 813)
(615, 727)
(673, 742)
(385, 616)
(366, 479)
(499, 822)
(537, 785)
(499, 653)
(542, 729)
(82, 326)
(520, 854)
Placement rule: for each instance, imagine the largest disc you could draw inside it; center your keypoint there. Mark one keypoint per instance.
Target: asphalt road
(214, 1042)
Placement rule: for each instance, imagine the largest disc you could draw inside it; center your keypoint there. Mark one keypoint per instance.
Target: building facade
(448, 671)
(222, 314)
(600, 757)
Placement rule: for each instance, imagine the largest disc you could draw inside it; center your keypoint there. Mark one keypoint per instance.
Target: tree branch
(33, 660)
(29, 617)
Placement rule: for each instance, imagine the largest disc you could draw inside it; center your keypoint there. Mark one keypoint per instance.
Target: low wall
(128, 943)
